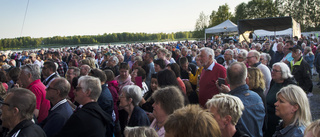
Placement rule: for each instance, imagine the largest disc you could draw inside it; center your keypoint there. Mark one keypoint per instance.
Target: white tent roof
(226, 26)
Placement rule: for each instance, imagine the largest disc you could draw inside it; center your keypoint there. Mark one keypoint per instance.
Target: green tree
(201, 25)
(220, 16)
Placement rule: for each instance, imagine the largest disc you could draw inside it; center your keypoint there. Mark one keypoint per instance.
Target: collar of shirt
(211, 66)
(50, 76)
(58, 104)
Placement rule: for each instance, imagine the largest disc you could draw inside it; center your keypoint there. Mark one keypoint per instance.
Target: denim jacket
(251, 121)
(289, 131)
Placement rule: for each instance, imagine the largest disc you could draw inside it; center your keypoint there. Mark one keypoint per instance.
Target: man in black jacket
(90, 120)
(17, 112)
(301, 70)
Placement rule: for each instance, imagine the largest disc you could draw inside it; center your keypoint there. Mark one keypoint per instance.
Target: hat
(294, 48)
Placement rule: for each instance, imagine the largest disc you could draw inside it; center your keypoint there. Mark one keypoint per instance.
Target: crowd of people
(195, 89)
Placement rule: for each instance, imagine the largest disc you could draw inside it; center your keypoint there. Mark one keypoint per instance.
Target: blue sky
(47, 18)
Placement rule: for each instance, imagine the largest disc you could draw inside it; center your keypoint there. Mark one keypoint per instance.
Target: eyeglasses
(2, 103)
(274, 70)
(240, 57)
(121, 96)
(48, 88)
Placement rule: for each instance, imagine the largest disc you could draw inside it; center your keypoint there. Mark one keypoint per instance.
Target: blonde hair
(314, 128)
(227, 105)
(140, 132)
(256, 78)
(192, 121)
(296, 96)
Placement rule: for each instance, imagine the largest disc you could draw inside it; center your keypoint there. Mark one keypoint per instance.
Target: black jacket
(302, 73)
(89, 121)
(27, 129)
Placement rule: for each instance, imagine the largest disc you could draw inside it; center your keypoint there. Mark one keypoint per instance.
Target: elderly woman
(129, 101)
(309, 57)
(242, 56)
(164, 106)
(227, 110)
(191, 121)
(293, 108)
(140, 132)
(265, 59)
(281, 77)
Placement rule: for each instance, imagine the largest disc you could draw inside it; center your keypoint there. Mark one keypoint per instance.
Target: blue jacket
(138, 118)
(105, 100)
(251, 121)
(56, 119)
(309, 58)
(289, 131)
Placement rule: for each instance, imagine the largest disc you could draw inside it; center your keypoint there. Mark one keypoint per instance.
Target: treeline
(305, 12)
(28, 42)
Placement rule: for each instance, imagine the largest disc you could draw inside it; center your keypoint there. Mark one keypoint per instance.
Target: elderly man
(17, 112)
(90, 120)
(251, 122)
(61, 111)
(49, 72)
(229, 58)
(84, 70)
(30, 78)
(33, 58)
(113, 65)
(212, 71)
(253, 60)
(278, 55)
(301, 70)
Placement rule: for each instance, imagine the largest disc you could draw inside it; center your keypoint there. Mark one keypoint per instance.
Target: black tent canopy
(270, 24)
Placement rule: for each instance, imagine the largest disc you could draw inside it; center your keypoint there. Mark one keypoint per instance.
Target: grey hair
(296, 96)
(244, 53)
(255, 53)
(208, 51)
(32, 69)
(92, 84)
(285, 70)
(231, 52)
(140, 131)
(227, 105)
(134, 92)
(266, 57)
(63, 86)
(114, 58)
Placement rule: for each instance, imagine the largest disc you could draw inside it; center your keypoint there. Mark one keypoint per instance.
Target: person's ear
(15, 111)
(227, 120)
(295, 108)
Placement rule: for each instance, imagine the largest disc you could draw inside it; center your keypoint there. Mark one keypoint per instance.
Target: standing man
(84, 70)
(269, 51)
(33, 58)
(229, 58)
(90, 120)
(49, 72)
(253, 60)
(210, 74)
(148, 60)
(30, 79)
(61, 111)
(17, 112)
(301, 71)
(251, 122)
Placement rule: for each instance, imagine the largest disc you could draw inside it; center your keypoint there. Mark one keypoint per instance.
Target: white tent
(224, 27)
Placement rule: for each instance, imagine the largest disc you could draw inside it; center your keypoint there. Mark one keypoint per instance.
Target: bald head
(236, 74)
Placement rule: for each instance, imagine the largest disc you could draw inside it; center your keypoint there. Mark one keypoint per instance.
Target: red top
(207, 83)
(181, 84)
(43, 105)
